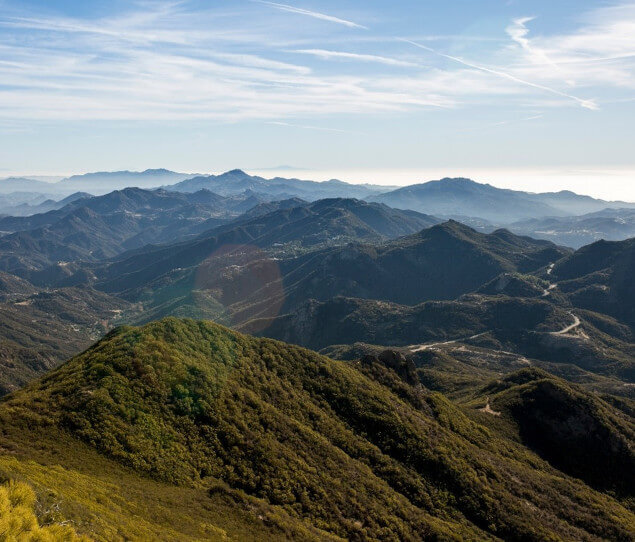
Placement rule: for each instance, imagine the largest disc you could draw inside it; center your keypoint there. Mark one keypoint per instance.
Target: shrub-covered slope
(599, 277)
(314, 440)
(577, 432)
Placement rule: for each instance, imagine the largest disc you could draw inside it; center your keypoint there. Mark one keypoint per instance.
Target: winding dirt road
(569, 329)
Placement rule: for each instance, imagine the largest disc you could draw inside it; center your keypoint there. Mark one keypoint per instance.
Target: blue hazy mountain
(460, 197)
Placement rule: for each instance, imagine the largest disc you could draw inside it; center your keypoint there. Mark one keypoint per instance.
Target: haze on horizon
(518, 94)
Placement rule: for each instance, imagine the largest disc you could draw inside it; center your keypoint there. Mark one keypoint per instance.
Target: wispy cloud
(326, 54)
(165, 60)
(314, 14)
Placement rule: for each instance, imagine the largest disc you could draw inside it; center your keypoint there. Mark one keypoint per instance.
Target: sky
(538, 95)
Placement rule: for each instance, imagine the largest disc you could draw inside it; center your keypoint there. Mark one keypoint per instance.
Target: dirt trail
(552, 285)
(488, 409)
(421, 347)
(569, 329)
(548, 291)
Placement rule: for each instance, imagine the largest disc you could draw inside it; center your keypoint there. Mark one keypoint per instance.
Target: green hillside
(577, 432)
(250, 438)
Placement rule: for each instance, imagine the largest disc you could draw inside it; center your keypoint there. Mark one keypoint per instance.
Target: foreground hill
(255, 439)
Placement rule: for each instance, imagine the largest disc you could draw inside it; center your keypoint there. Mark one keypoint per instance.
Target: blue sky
(537, 95)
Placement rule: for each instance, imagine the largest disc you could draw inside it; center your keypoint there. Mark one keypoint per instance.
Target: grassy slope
(230, 427)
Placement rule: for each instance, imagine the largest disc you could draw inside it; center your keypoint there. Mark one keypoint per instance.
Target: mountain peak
(234, 173)
(159, 171)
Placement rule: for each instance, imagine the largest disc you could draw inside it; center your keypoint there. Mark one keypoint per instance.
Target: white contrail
(314, 14)
(326, 54)
(587, 104)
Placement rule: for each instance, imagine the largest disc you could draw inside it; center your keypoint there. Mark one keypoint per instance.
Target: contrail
(587, 104)
(314, 14)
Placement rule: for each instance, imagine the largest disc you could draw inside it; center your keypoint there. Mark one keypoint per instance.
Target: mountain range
(456, 198)
(462, 199)
(235, 358)
(236, 181)
(91, 229)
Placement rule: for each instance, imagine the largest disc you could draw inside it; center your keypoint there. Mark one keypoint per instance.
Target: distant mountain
(36, 206)
(254, 439)
(237, 181)
(91, 229)
(327, 221)
(239, 274)
(288, 231)
(577, 231)
(107, 181)
(463, 197)
(263, 209)
(23, 184)
(574, 204)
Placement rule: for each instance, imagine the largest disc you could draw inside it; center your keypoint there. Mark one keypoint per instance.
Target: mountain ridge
(325, 443)
(455, 197)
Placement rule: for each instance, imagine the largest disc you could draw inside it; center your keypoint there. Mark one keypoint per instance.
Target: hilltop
(276, 441)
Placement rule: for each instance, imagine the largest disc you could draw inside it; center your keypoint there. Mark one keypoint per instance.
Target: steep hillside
(528, 327)
(441, 262)
(313, 448)
(599, 277)
(12, 286)
(38, 331)
(577, 432)
(248, 282)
